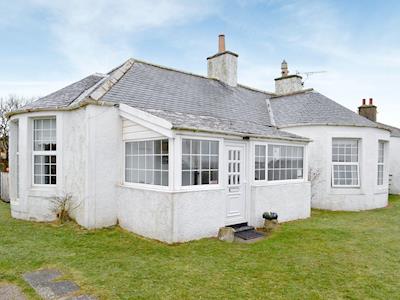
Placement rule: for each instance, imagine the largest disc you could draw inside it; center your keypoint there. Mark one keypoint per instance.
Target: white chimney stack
(287, 84)
(223, 65)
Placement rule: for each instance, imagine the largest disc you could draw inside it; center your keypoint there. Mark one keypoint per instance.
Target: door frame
(245, 180)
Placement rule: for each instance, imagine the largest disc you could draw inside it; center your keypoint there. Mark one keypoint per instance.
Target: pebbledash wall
(394, 163)
(369, 195)
(90, 168)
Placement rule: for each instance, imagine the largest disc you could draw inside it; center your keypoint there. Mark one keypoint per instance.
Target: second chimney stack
(368, 111)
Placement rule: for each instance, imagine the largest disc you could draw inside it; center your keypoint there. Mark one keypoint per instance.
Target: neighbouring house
(174, 156)
(369, 111)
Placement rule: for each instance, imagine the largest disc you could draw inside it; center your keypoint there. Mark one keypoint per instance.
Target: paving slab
(45, 284)
(11, 292)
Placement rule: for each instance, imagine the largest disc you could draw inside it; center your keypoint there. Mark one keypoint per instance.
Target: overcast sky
(46, 44)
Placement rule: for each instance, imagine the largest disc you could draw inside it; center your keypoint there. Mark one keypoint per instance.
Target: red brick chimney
(369, 110)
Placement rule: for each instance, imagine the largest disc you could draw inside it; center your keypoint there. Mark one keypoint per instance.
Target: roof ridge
(112, 78)
(198, 75)
(171, 69)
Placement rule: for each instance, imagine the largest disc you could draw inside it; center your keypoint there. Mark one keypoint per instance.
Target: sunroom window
(146, 162)
(200, 159)
(381, 162)
(44, 151)
(285, 162)
(345, 163)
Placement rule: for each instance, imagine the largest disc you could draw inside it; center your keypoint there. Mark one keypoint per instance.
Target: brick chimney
(287, 84)
(223, 65)
(368, 110)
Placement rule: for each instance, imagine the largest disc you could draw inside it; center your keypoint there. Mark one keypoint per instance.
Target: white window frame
(44, 153)
(200, 162)
(381, 163)
(346, 163)
(271, 182)
(145, 185)
(178, 164)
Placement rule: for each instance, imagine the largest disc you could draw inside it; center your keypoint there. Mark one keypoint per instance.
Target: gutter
(330, 124)
(307, 140)
(83, 103)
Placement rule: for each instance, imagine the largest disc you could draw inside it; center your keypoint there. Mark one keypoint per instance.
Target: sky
(47, 44)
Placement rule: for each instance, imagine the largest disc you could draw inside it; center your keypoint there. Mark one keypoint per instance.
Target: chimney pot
(371, 101)
(221, 43)
(363, 102)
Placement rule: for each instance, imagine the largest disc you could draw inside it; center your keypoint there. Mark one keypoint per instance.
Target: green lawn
(329, 256)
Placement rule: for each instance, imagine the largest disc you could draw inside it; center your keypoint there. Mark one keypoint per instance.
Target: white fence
(4, 187)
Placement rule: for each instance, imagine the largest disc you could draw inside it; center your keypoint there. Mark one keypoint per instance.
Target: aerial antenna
(308, 74)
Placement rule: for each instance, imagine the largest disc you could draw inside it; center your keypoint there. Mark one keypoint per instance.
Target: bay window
(44, 151)
(381, 162)
(200, 161)
(278, 162)
(345, 163)
(146, 162)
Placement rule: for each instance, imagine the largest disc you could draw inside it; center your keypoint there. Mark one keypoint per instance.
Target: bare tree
(8, 104)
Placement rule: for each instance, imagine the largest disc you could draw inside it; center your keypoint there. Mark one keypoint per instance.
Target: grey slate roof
(212, 124)
(314, 108)
(65, 96)
(147, 86)
(394, 131)
(195, 102)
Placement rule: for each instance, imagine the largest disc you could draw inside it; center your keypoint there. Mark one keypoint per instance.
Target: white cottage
(369, 111)
(174, 156)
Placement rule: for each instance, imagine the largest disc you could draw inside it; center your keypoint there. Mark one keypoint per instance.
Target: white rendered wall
(394, 165)
(90, 168)
(198, 214)
(145, 212)
(171, 216)
(290, 201)
(37, 202)
(104, 161)
(369, 195)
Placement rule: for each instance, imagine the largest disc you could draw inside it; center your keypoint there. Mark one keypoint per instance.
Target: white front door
(236, 193)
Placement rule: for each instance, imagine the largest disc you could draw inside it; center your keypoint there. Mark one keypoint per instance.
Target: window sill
(279, 182)
(199, 188)
(147, 187)
(167, 190)
(43, 191)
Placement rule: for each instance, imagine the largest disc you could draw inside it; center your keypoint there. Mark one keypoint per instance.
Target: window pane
(185, 178)
(345, 150)
(284, 162)
(157, 162)
(205, 147)
(144, 162)
(157, 147)
(199, 157)
(205, 177)
(214, 147)
(44, 134)
(157, 177)
(346, 175)
(186, 146)
(44, 169)
(164, 178)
